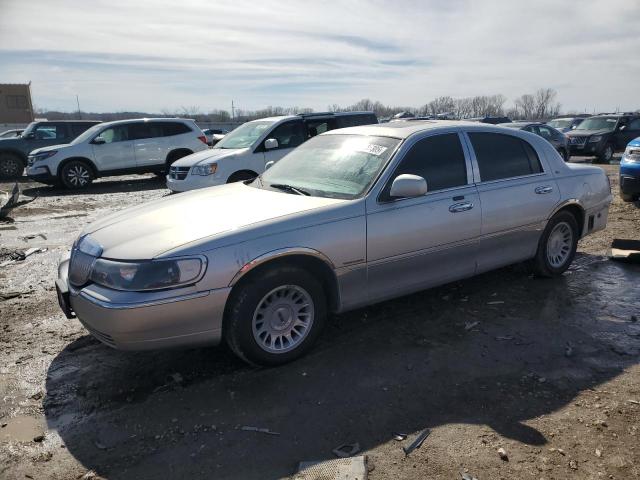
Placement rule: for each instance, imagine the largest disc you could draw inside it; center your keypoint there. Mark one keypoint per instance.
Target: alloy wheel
(559, 244)
(78, 176)
(10, 167)
(283, 319)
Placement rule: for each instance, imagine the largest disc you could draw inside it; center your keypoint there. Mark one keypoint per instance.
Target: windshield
(598, 123)
(245, 135)
(334, 166)
(565, 123)
(87, 134)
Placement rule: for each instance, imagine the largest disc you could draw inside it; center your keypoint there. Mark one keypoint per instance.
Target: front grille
(578, 140)
(80, 265)
(178, 173)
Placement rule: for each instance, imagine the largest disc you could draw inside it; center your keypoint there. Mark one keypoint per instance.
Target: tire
(76, 175)
(173, 157)
(11, 166)
(626, 197)
(557, 246)
(264, 309)
(241, 176)
(607, 154)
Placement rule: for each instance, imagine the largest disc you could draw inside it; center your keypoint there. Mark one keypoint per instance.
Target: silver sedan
(350, 218)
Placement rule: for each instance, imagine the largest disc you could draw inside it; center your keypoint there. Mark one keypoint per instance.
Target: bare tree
(525, 106)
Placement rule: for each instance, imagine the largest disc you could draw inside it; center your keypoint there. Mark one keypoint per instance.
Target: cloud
(153, 55)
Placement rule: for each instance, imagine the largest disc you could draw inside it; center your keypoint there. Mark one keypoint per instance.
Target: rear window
(503, 156)
(174, 128)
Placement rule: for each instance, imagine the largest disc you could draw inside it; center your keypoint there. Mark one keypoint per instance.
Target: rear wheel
(275, 317)
(557, 246)
(76, 174)
(10, 165)
(626, 197)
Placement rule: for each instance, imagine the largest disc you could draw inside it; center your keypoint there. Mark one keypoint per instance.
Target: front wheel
(607, 154)
(76, 174)
(275, 317)
(557, 246)
(10, 166)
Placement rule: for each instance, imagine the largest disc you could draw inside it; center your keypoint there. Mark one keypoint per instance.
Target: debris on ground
(398, 437)
(259, 430)
(16, 256)
(568, 350)
(13, 294)
(625, 250)
(503, 454)
(9, 201)
(417, 442)
(32, 236)
(346, 450)
(466, 476)
(469, 325)
(496, 302)
(342, 469)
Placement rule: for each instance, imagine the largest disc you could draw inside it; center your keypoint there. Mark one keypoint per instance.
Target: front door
(289, 135)
(49, 133)
(630, 132)
(416, 243)
(117, 152)
(517, 194)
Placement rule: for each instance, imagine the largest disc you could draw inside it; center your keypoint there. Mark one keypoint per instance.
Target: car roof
(68, 121)
(405, 128)
(133, 120)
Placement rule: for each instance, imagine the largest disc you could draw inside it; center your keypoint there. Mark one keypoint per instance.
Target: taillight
(203, 139)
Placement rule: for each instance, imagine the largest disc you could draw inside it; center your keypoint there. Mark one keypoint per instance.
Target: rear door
(517, 193)
(117, 151)
(416, 243)
(148, 142)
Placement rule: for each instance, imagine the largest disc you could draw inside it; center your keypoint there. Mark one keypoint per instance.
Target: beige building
(15, 103)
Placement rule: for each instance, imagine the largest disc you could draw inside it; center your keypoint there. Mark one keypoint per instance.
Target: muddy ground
(546, 369)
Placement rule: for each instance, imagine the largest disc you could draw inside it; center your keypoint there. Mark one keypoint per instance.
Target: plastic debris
(503, 454)
(417, 443)
(259, 430)
(469, 325)
(346, 450)
(352, 468)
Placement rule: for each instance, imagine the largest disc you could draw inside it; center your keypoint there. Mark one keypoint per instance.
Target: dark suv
(601, 136)
(15, 150)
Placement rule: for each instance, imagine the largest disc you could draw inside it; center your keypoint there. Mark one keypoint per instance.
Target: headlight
(595, 138)
(207, 169)
(44, 155)
(631, 155)
(150, 275)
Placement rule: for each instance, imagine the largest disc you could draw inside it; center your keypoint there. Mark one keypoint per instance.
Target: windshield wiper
(290, 188)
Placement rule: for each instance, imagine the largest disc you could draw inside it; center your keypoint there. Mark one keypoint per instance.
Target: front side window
(545, 132)
(115, 134)
(438, 159)
(333, 166)
(503, 156)
(289, 134)
(245, 135)
(634, 124)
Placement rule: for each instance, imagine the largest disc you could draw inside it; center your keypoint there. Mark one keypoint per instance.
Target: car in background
(350, 218)
(16, 132)
(489, 120)
(214, 135)
(630, 172)
(565, 124)
(15, 150)
(247, 151)
(558, 139)
(116, 148)
(601, 136)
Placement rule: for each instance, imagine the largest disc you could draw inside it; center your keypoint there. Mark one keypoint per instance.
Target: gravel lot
(546, 369)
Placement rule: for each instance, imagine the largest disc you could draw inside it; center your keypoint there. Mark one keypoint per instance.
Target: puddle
(21, 429)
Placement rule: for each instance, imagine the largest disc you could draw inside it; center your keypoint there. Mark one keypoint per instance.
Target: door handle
(544, 189)
(460, 207)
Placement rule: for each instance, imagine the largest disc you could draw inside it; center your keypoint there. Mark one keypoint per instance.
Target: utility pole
(232, 111)
(78, 102)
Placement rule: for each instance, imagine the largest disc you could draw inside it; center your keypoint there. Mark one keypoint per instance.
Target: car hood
(209, 155)
(586, 133)
(634, 143)
(149, 230)
(50, 148)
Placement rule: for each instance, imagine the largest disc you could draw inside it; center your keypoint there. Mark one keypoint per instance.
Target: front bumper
(586, 149)
(145, 320)
(193, 182)
(40, 173)
(630, 178)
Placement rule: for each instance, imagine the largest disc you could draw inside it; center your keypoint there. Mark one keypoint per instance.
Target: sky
(157, 55)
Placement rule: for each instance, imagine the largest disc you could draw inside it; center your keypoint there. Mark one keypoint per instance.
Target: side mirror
(269, 164)
(270, 144)
(30, 135)
(622, 127)
(573, 127)
(99, 141)
(408, 186)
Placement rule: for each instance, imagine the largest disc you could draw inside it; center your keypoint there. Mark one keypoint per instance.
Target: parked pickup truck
(15, 150)
(349, 218)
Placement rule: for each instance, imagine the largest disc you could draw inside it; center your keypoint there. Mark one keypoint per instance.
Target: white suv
(116, 148)
(245, 152)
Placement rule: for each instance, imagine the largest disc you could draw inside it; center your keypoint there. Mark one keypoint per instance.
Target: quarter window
(174, 128)
(503, 156)
(438, 159)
